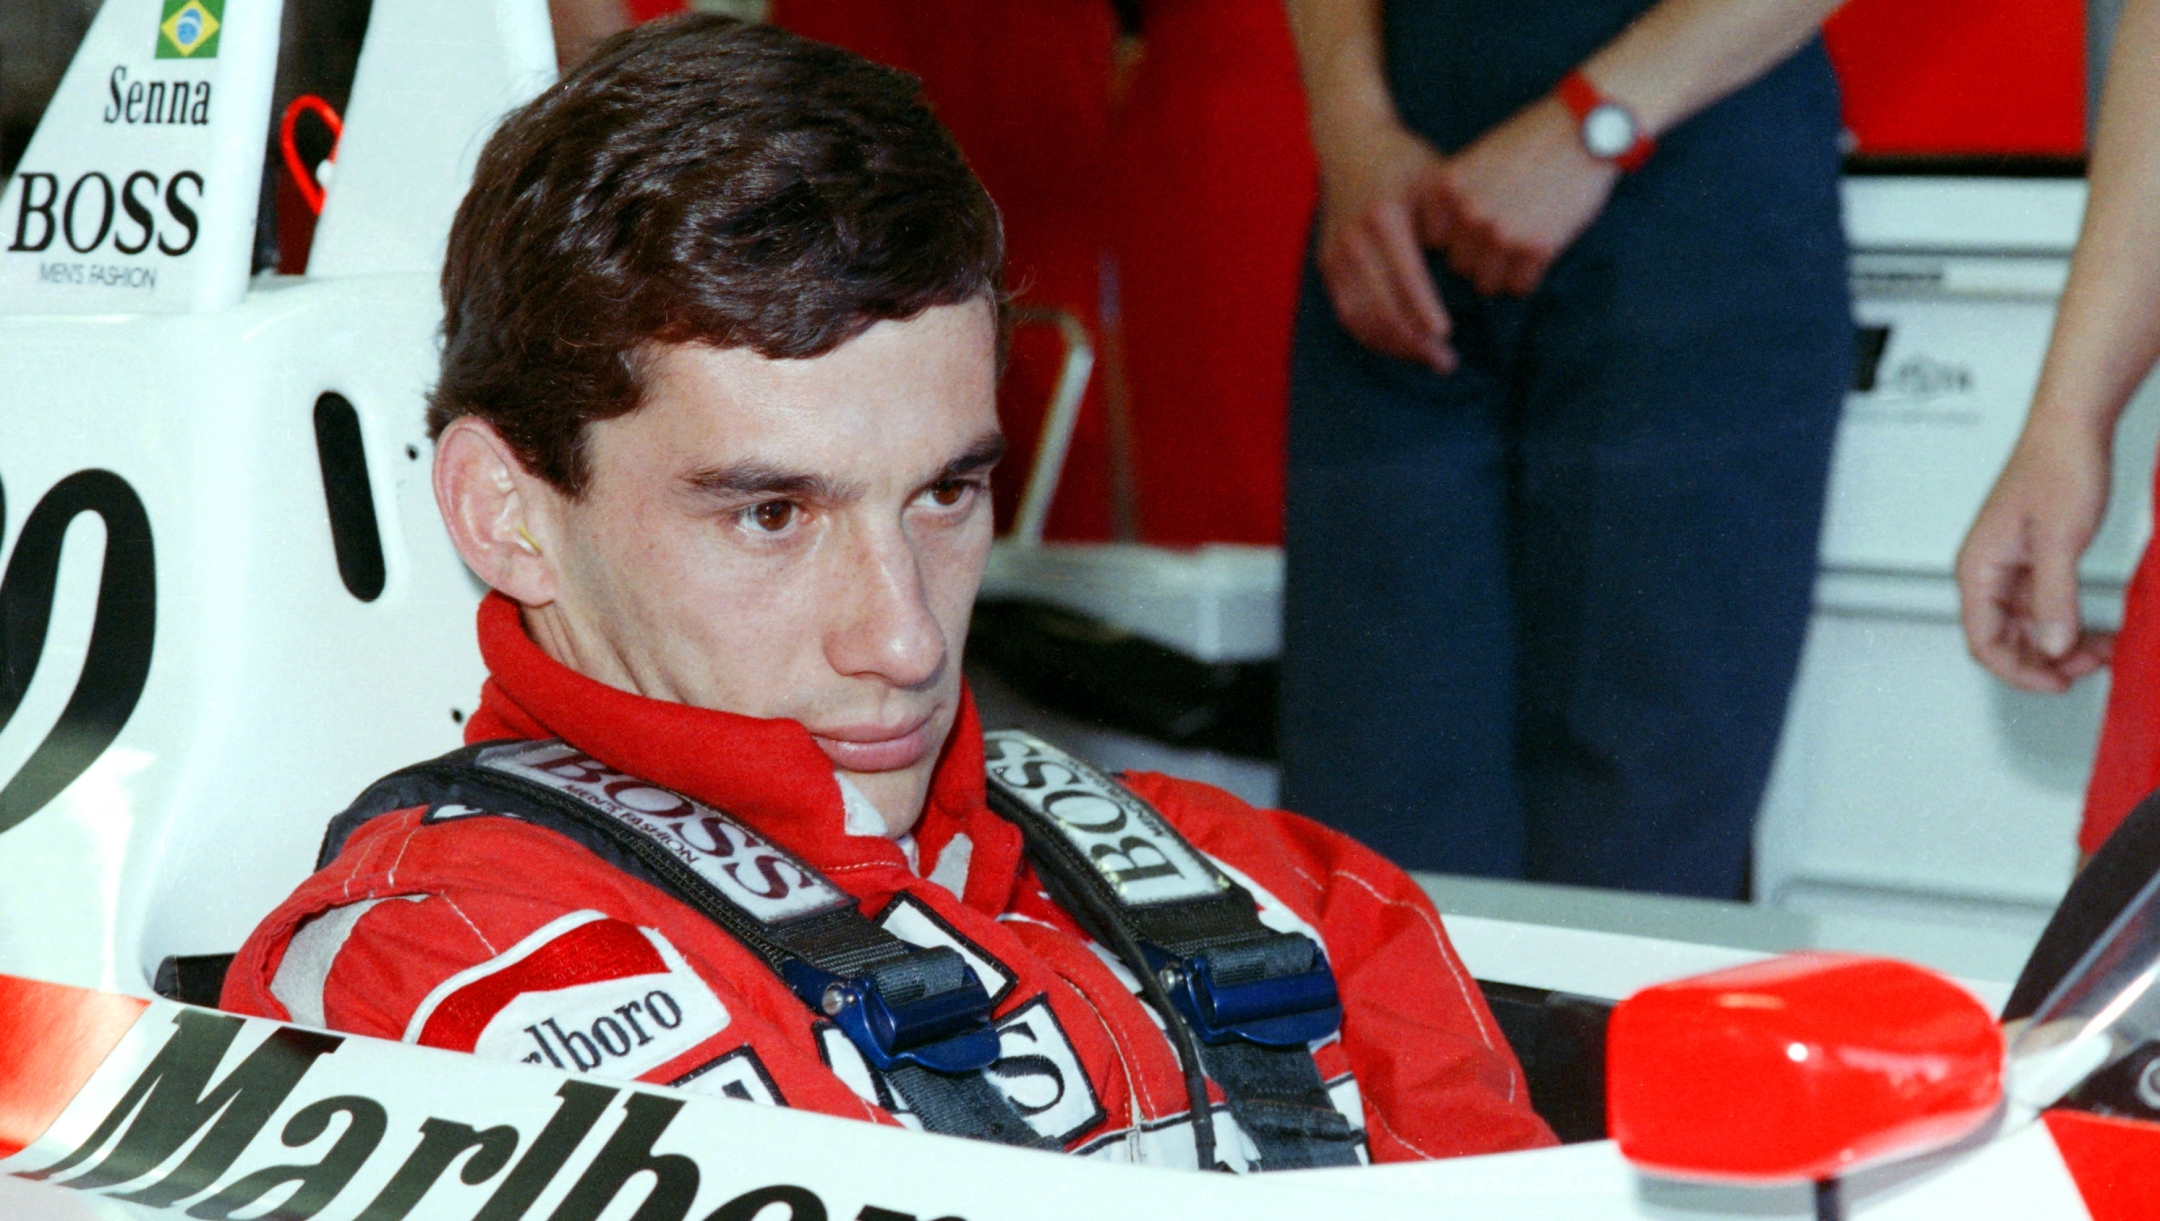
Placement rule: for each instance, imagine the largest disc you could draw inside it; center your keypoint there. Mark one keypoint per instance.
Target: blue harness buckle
(1243, 992)
(897, 1021)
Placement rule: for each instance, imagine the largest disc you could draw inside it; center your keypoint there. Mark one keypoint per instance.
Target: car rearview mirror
(1803, 1067)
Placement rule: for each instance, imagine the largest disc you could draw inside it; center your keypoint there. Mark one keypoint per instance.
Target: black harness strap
(1243, 1000)
(1281, 1103)
(920, 1016)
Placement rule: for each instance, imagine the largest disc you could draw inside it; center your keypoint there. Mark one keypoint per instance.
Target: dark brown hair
(697, 180)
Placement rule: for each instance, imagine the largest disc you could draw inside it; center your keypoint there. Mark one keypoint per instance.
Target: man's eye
(772, 517)
(948, 492)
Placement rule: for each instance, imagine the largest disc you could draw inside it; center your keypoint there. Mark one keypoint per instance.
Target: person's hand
(2017, 572)
(1516, 199)
(1369, 254)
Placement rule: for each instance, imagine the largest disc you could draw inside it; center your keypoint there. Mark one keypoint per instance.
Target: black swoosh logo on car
(117, 663)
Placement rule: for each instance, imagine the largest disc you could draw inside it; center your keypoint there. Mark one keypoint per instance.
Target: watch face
(1608, 131)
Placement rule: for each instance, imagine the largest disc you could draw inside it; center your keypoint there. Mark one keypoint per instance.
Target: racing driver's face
(776, 538)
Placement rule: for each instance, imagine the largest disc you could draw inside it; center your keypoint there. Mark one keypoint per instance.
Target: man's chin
(897, 795)
(891, 764)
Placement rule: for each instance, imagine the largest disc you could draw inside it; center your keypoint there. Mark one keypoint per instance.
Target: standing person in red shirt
(715, 423)
(2017, 572)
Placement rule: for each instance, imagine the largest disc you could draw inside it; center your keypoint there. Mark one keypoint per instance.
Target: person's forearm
(1683, 55)
(1340, 58)
(2107, 332)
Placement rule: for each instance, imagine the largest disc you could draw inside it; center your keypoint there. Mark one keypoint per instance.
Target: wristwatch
(1610, 131)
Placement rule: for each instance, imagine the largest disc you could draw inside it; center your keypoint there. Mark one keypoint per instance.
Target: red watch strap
(1581, 97)
(1578, 94)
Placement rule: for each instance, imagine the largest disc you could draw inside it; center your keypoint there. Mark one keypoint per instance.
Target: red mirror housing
(1800, 1067)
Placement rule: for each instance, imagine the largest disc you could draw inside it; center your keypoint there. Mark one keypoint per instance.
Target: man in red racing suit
(419, 931)
(716, 420)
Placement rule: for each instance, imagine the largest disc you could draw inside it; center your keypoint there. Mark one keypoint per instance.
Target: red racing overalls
(485, 934)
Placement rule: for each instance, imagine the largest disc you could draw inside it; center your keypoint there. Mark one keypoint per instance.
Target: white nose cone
(138, 193)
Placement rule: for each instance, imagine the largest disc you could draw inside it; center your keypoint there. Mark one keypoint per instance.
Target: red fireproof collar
(768, 773)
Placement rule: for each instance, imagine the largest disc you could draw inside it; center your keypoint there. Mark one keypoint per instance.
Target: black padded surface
(1559, 1038)
(193, 979)
(1076, 666)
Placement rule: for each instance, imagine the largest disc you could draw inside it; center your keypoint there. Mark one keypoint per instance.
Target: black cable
(1073, 894)
(1188, 1052)
(1829, 1200)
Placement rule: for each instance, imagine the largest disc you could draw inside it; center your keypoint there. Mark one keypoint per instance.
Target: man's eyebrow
(753, 478)
(980, 456)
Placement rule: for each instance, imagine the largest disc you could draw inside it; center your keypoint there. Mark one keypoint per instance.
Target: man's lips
(874, 748)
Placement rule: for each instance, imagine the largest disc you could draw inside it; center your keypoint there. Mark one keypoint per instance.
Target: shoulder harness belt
(1252, 997)
(920, 1016)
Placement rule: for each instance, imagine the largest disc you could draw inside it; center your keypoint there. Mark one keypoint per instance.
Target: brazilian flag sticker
(189, 29)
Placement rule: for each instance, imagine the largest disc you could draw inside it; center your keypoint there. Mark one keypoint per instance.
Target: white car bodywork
(273, 692)
(845, 1165)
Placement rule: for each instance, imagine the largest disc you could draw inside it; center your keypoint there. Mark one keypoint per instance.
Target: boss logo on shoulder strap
(1127, 842)
(758, 876)
(919, 1014)
(1239, 998)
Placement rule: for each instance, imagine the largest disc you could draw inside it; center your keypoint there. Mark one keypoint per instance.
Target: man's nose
(889, 631)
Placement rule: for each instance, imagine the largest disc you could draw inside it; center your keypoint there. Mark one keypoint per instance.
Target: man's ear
(501, 517)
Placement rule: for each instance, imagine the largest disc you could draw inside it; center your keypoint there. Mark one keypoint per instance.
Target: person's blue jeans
(1543, 614)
